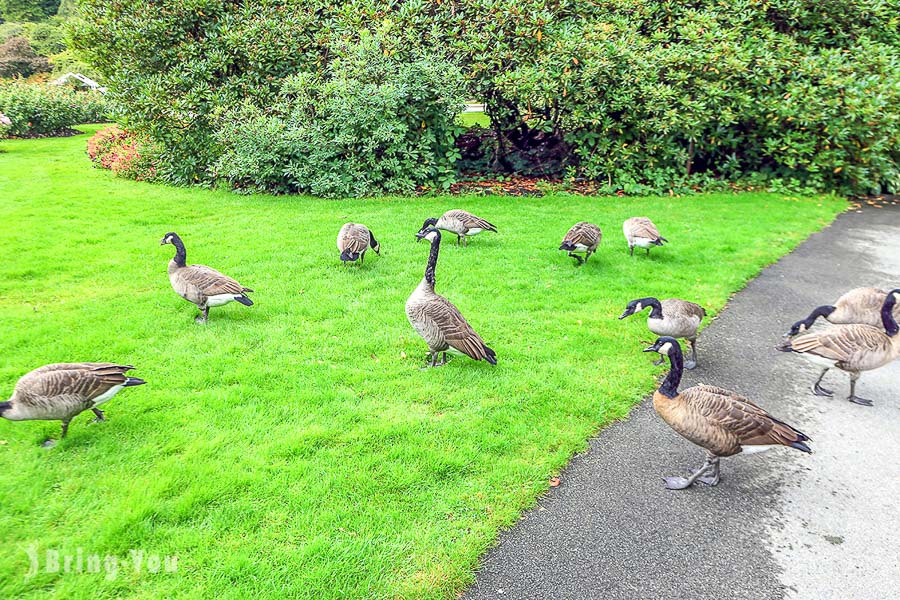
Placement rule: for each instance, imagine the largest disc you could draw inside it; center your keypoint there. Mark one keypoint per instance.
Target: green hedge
(48, 109)
(649, 95)
(369, 124)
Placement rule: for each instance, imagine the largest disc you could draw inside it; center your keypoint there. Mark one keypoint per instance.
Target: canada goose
(463, 224)
(672, 317)
(200, 284)
(582, 237)
(719, 420)
(435, 318)
(640, 231)
(850, 348)
(62, 391)
(353, 240)
(859, 306)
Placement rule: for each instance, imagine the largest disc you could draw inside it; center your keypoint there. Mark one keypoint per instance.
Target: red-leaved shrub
(124, 153)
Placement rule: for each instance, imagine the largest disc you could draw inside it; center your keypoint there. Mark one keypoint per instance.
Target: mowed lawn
(295, 448)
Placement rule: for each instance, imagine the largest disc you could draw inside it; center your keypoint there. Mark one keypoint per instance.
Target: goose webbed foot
(861, 401)
(578, 260)
(48, 443)
(203, 317)
(99, 414)
(710, 466)
(818, 390)
(690, 364)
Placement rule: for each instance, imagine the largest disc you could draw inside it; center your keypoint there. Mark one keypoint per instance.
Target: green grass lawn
(295, 448)
(469, 119)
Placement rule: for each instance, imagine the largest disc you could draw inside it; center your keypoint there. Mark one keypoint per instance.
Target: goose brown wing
(750, 424)
(842, 342)
(210, 281)
(688, 309)
(643, 227)
(469, 220)
(353, 238)
(583, 233)
(83, 380)
(456, 330)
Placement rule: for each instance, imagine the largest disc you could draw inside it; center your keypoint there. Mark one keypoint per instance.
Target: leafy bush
(124, 153)
(18, 59)
(369, 124)
(48, 109)
(642, 94)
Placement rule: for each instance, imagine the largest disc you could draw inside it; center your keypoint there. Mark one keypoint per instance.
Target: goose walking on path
(859, 306)
(850, 348)
(200, 284)
(719, 420)
(641, 232)
(582, 237)
(672, 317)
(353, 240)
(463, 224)
(437, 320)
(64, 390)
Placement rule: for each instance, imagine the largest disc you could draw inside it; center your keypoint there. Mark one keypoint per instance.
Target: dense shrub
(18, 59)
(647, 94)
(48, 109)
(369, 124)
(124, 153)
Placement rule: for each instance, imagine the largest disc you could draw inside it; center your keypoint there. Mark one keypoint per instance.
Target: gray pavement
(781, 524)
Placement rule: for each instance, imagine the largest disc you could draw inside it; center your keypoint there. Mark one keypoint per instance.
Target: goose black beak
(652, 348)
(624, 314)
(419, 236)
(162, 242)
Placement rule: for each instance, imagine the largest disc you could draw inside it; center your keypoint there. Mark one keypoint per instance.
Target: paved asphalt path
(781, 524)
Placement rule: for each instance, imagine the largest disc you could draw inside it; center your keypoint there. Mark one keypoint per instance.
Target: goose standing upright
(62, 391)
(859, 306)
(719, 420)
(463, 224)
(582, 237)
(200, 284)
(353, 240)
(437, 320)
(850, 348)
(641, 232)
(672, 317)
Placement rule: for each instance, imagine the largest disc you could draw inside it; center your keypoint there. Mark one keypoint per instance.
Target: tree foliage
(648, 95)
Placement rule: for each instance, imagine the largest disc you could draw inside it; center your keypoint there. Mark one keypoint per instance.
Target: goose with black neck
(718, 420)
(437, 320)
(853, 349)
(200, 284)
(672, 317)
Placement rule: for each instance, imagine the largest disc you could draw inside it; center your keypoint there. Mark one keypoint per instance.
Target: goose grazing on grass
(437, 320)
(719, 420)
(200, 284)
(671, 317)
(62, 391)
(463, 224)
(582, 237)
(859, 306)
(641, 232)
(353, 240)
(850, 348)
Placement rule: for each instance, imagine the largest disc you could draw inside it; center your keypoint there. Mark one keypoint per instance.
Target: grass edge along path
(294, 448)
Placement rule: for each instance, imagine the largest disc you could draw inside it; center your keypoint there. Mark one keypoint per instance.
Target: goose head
(797, 328)
(664, 345)
(169, 238)
(429, 233)
(374, 244)
(430, 222)
(635, 306)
